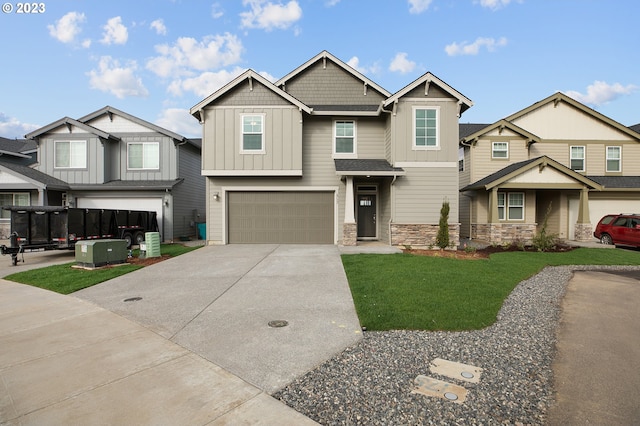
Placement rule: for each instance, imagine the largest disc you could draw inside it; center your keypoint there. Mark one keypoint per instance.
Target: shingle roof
(626, 182)
(369, 108)
(17, 145)
(35, 175)
(466, 129)
(374, 167)
(635, 128)
(128, 185)
(499, 174)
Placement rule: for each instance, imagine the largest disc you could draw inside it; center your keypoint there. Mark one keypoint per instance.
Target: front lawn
(65, 279)
(404, 291)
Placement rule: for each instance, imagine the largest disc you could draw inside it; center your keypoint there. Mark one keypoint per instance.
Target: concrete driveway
(218, 302)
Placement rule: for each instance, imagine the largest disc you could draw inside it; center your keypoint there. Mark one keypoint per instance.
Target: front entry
(366, 206)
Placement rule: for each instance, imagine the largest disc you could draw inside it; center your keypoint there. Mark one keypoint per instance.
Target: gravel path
(371, 382)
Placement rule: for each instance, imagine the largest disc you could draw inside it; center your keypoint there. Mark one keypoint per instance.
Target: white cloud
(115, 32)
(331, 3)
(419, 6)
(401, 64)
(600, 93)
(159, 26)
(267, 15)
(465, 48)
(86, 43)
(204, 84)
(188, 56)
(354, 63)
(68, 27)
(11, 127)
(216, 11)
(180, 121)
(494, 4)
(118, 80)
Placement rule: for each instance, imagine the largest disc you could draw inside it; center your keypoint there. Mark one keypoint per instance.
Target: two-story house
(111, 159)
(556, 160)
(326, 155)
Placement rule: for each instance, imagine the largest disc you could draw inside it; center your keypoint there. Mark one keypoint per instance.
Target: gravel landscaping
(371, 382)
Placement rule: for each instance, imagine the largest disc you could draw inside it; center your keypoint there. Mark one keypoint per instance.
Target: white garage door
(145, 204)
(598, 209)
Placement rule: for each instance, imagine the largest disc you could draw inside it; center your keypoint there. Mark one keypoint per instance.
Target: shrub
(442, 239)
(544, 241)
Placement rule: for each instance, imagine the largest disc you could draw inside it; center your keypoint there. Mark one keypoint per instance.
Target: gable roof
(17, 147)
(466, 129)
(109, 110)
(247, 75)
(464, 103)
(34, 176)
(561, 97)
(324, 55)
(635, 128)
(515, 169)
(500, 125)
(70, 122)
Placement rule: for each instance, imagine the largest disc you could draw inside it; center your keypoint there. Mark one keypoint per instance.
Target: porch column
(493, 206)
(349, 227)
(583, 211)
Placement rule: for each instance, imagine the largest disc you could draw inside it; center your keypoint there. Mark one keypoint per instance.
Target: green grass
(404, 291)
(65, 279)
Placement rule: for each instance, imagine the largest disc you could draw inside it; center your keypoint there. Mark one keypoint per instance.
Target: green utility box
(95, 253)
(151, 245)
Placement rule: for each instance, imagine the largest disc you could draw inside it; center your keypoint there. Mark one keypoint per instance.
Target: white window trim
(493, 150)
(55, 159)
(506, 206)
(252, 151)
(619, 159)
(508, 194)
(413, 129)
(353, 154)
(584, 157)
(503, 205)
(143, 143)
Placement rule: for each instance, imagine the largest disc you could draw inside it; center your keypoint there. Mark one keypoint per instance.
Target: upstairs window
(461, 159)
(143, 156)
(500, 150)
(425, 128)
(344, 137)
(252, 134)
(577, 158)
(70, 154)
(614, 158)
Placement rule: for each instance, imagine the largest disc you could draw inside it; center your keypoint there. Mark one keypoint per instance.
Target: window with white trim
(344, 137)
(614, 158)
(511, 204)
(461, 159)
(70, 154)
(425, 128)
(143, 155)
(577, 158)
(252, 134)
(500, 150)
(13, 199)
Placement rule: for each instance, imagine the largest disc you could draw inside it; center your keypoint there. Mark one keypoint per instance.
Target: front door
(367, 228)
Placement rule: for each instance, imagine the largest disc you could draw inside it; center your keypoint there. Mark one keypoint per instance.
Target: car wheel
(606, 239)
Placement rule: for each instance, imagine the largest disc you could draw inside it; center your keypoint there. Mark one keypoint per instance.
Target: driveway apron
(266, 313)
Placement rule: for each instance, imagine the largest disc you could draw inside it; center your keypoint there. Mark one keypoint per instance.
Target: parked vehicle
(56, 228)
(619, 229)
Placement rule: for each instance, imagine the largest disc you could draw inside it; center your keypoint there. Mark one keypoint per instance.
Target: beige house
(325, 155)
(556, 160)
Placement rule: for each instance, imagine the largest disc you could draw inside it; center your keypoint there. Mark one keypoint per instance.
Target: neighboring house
(21, 184)
(111, 159)
(325, 155)
(556, 161)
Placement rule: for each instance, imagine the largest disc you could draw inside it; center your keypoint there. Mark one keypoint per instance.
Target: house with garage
(326, 155)
(557, 162)
(111, 159)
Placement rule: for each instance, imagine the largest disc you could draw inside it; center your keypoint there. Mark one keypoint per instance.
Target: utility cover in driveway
(281, 217)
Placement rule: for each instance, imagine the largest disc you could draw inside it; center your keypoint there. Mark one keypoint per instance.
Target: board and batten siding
(168, 159)
(95, 166)
(223, 132)
(189, 196)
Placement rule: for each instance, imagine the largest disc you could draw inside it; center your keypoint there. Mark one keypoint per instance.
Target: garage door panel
(281, 217)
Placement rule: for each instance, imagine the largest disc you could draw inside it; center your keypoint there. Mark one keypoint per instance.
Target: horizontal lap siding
(420, 194)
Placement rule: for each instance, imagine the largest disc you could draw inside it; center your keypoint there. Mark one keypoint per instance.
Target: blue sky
(156, 59)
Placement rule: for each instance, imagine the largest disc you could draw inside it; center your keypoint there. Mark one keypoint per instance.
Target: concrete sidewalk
(597, 366)
(67, 361)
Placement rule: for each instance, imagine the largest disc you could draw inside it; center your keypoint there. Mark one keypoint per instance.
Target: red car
(619, 229)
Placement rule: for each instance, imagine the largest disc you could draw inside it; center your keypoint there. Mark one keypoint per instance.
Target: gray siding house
(111, 159)
(325, 155)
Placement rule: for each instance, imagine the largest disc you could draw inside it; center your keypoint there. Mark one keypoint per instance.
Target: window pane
(344, 145)
(6, 200)
(252, 132)
(78, 154)
(252, 142)
(151, 156)
(21, 199)
(577, 165)
(516, 213)
(135, 156)
(62, 154)
(426, 127)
